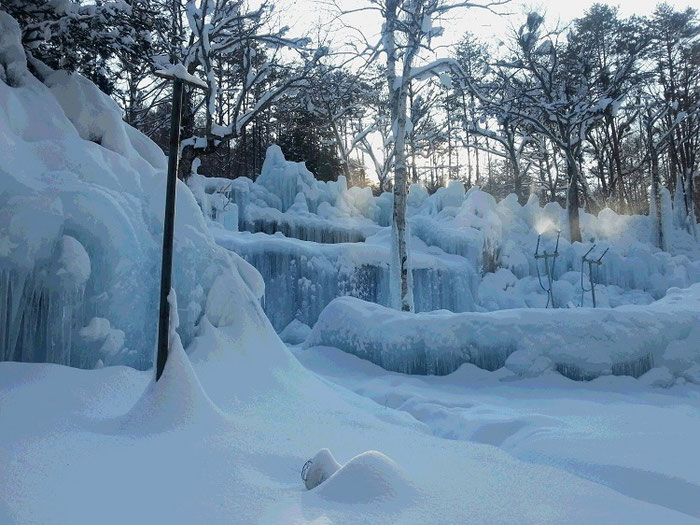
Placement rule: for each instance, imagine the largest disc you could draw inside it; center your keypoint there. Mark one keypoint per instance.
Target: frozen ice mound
(579, 343)
(301, 278)
(81, 221)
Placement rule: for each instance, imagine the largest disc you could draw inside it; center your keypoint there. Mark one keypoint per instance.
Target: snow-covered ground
(613, 431)
(463, 448)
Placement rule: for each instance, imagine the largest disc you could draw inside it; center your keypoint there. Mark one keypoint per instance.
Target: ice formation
(81, 207)
(580, 343)
(314, 241)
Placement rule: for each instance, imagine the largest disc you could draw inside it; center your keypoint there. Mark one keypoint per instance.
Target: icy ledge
(579, 343)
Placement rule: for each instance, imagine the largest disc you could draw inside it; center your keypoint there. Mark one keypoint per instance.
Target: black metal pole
(168, 229)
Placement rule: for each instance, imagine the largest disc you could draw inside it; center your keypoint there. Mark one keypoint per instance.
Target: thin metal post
(590, 273)
(168, 229)
(549, 278)
(590, 261)
(550, 269)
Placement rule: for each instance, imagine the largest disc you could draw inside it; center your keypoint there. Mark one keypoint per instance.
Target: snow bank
(579, 343)
(81, 221)
(177, 399)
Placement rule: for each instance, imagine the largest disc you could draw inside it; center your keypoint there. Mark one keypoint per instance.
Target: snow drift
(581, 343)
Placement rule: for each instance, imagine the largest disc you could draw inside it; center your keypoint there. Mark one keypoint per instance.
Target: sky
(302, 14)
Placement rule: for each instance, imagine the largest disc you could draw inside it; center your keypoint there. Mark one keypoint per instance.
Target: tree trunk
(400, 287)
(656, 195)
(572, 198)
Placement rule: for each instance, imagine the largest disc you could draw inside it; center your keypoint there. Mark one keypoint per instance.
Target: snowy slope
(614, 431)
(76, 460)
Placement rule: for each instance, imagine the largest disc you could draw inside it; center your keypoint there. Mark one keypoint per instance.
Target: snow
(81, 214)
(552, 457)
(295, 332)
(319, 468)
(366, 478)
(179, 71)
(614, 431)
(580, 343)
(223, 436)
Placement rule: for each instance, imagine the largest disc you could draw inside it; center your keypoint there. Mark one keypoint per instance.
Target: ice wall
(301, 278)
(480, 240)
(581, 343)
(81, 207)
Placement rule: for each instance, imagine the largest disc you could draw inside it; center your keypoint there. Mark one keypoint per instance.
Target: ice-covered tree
(407, 31)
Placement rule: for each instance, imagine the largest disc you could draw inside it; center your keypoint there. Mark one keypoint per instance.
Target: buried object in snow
(365, 478)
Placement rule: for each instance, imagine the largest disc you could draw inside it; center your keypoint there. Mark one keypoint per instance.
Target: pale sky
(302, 14)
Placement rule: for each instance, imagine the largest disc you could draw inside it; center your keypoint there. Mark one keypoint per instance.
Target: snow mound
(580, 343)
(295, 332)
(367, 478)
(176, 400)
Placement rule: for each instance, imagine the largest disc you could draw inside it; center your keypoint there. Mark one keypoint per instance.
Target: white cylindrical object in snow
(319, 468)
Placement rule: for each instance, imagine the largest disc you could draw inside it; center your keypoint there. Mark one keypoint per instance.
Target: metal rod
(549, 278)
(591, 278)
(590, 273)
(168, 230)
